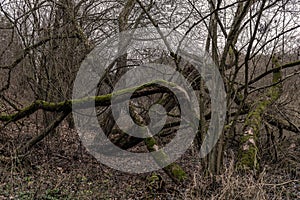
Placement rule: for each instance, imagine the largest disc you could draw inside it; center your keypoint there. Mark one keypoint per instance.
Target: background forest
(255, 44)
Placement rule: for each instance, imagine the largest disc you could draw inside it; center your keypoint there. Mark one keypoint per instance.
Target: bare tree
(251, 42)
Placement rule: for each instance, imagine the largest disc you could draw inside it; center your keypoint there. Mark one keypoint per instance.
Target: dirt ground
(59, 167)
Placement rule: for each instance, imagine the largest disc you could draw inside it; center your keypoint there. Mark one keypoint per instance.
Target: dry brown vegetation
(60, 168)
(254, 44)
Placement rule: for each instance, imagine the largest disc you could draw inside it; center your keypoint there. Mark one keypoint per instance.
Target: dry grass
(60, 168)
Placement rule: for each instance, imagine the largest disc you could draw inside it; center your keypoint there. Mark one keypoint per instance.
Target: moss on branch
(173, 170)
(87, 102)
(248, 151)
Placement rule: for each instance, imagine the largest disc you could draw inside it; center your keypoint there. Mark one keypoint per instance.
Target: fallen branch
(25, 148)
(285, 66)
(173, 170)
(280, 123)
(280, 184)
(87, 102)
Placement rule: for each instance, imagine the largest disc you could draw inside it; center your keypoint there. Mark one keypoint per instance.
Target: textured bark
(248, 153)
(173, 170)
(103, 100)
(107, 117)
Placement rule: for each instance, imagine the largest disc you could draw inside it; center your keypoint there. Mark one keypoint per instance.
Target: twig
(280, 184)
(46, 132)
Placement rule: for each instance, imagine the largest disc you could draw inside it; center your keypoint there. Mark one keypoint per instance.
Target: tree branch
(285, 66)
(24, 148)
(86, 102)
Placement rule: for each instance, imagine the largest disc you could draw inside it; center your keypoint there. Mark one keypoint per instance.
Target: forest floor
(60, 168)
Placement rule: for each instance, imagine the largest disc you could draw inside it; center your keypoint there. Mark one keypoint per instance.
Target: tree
(251, 42)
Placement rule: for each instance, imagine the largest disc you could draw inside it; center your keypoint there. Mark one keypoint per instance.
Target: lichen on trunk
(248, 153)
(173, 170)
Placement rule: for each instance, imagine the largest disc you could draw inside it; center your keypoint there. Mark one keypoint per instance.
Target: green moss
(177, 171)
(161, 158)
(4, 117)
(153, 178)
(228, 126)
(276, 90)
(254, 117)
(150, 142)
(76, 103)
(246, 138)
(230, 51)
(248, 159)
